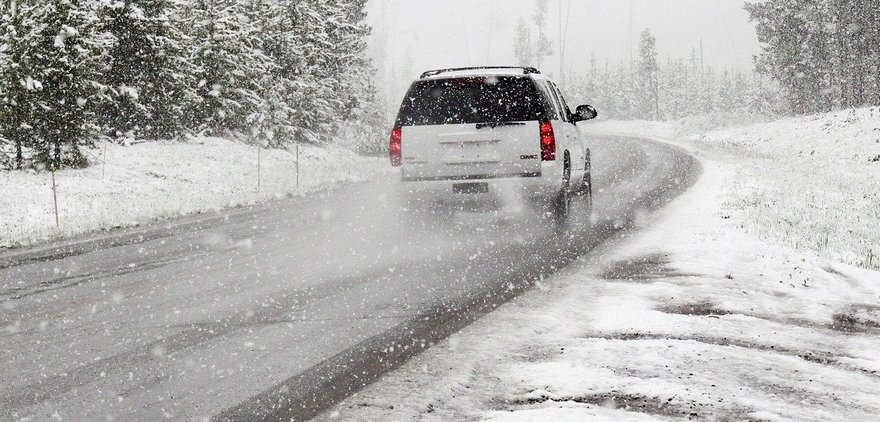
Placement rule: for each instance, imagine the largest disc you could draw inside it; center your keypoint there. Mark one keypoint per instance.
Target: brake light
(548, 142)
(394, 146)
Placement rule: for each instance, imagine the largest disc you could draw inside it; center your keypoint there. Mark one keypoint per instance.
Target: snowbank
(811, 182)
(690, 317)
(808, 182)
(154, 180)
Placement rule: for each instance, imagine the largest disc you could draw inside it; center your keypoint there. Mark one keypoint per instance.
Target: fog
(410, 36)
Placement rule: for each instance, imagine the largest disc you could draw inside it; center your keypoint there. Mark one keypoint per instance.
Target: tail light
(394, 146)
(548, 142)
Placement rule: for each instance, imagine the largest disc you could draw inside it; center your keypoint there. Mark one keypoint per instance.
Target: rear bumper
(466, 178)
(522, 186)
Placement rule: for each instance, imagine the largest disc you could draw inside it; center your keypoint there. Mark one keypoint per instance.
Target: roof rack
(525, 70)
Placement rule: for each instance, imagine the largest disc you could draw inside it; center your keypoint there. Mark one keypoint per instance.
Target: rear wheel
(585, 189)
(562, 204)
(587, 185)
(588, 191)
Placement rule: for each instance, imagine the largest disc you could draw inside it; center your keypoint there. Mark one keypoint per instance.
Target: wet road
(280, 310)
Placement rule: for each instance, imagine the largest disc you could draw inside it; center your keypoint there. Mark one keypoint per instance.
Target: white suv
(474, 132)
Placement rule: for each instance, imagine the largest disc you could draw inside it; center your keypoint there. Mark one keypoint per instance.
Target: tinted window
(470, 100)
(564, 106)
(554, 94)
(549, 101)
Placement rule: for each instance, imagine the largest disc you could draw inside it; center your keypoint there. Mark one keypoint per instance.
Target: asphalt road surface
(278, 311)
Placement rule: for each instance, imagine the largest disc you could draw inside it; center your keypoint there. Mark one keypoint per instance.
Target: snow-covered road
(280, 310)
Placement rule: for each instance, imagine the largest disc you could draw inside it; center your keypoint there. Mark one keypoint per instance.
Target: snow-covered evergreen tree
(674, 84)
(366, 129)
(543, 45)
(824, 53)
(298, 39)
(727, 98)
(148, 73)
(226, 52)
(58, 55)
(709, 94)
(350, 69)
(522, 44)
(355, 75)
(281, 70)
(695, 82)
(319, 51)
(15, 109)
(684, 88)
(648, 77)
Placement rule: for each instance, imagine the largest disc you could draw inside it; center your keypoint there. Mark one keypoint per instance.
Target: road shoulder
(133, 187)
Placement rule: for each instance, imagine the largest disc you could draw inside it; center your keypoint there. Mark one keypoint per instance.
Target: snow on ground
(154, 180)
(811, 182)
(696, 315)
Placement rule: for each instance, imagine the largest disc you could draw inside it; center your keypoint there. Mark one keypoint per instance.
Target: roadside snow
(812, 182)
(694, 316)
(154, 180)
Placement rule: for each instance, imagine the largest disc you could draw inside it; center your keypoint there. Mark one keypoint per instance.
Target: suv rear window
(471, 100)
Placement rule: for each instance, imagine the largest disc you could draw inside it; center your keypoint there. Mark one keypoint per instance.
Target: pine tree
(709, 95)
(57, 58)
(694, 89)
(226, 52)
(824, 53)
(543, 46)
(351, 70)
(741, 94)
(15, 109)
(648, 77)
(726, 94)
(871, 15)
(148, 73)
(305, 89)
(522, 44)
(673, 85)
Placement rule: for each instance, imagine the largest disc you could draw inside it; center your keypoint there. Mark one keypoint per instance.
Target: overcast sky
(410, 36)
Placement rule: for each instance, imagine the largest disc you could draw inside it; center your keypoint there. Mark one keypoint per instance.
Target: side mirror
(585, 112)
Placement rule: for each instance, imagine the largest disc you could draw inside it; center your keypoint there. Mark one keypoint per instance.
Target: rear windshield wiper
(493, 125)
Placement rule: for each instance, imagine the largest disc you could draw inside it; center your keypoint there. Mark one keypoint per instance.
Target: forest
(817, 56)
(825, 54)
(75, 71)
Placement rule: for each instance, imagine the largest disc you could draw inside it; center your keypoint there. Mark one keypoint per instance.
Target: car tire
(586, 188)
(588, 191)
(562, 203)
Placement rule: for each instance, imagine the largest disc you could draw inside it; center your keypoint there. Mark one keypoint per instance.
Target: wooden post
(258, 167)
(55, 196)
(104, 162)
(296, 148)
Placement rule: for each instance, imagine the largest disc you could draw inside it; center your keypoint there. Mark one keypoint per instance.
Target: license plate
(470, 188)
